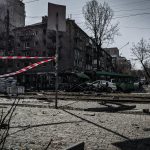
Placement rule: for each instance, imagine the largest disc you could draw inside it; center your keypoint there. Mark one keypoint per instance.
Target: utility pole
(7, 32)
(56, 22)
(56, 60)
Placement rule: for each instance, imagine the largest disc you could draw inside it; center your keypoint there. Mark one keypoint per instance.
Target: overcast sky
(132, 27)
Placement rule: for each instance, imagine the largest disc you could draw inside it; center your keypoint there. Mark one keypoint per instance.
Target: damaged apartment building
(75, 51)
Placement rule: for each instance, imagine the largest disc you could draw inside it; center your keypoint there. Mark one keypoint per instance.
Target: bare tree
(141, 52)
(98, 19)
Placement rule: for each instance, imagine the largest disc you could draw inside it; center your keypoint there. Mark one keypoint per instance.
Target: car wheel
(109, 90)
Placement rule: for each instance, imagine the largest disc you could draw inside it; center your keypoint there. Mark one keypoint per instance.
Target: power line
(34, 17)
(75, 15)
(82, 13)
(18, 3)
(142, 28)
(127, 16)
(132, 9)
(132, 15)
(31, 1)
(123, 5)
(132, 3)
(124, 46)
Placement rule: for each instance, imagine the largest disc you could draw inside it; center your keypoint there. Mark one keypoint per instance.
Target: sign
(56, 17)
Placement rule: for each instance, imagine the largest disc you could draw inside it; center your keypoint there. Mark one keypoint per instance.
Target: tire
(109, 90)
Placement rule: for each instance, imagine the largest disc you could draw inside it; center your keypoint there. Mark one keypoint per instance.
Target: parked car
(104, 85)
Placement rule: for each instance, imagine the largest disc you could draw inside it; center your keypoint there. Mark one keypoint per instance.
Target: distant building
(12, 15)
(121, 64)
(105, 61)
(16, 10)
(114, 51)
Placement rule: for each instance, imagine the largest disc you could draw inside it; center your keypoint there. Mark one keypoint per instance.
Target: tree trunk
(99, 51)
(145, 69)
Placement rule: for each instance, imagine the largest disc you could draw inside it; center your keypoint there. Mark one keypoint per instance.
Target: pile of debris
(9, 86)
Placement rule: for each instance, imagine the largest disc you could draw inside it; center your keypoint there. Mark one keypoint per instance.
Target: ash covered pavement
(35, 124)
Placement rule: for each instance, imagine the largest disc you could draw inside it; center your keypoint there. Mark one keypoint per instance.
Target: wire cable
(132, 15)
(132, 3)
(132, 9)
(141, 28)
(31, 1)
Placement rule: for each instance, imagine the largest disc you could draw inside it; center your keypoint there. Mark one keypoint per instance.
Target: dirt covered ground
(35, 123)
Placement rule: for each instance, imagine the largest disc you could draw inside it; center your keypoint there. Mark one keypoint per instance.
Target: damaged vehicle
(103, 85)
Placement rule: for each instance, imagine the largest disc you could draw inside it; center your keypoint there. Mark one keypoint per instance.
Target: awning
(112, 74)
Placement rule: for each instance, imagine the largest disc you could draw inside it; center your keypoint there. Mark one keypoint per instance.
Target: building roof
(74, 23)
(45, 23)
(32, 25)
(112, 48)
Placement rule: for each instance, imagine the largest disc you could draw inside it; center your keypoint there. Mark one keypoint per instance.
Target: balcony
(26, 35)
(26, 38)
(78, 37)
(89, 45)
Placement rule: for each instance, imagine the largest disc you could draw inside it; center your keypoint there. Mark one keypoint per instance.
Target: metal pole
(7, 36)
(56, 61)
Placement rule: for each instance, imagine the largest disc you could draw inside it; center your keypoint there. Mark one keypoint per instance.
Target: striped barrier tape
(24, 57)
(26, 68)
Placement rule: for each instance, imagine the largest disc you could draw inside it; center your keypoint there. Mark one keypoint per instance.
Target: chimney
(44, 19)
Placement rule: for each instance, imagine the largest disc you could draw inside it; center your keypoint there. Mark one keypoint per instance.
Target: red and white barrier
(26, 68)
(24, 57)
